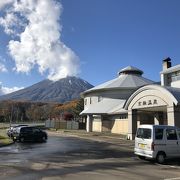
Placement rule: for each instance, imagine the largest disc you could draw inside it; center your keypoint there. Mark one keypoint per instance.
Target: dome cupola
(130, 70)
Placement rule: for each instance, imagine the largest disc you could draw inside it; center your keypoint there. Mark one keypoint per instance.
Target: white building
(120, 105)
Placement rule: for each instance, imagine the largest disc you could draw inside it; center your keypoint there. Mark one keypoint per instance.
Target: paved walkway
(115, 139)
(96, 136)
(88, 134)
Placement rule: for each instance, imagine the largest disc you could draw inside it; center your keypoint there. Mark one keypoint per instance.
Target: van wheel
(21, 139)
(142, 157)
(160, 158)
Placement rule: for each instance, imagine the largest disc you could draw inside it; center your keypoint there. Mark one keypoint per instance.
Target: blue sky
(102, 37)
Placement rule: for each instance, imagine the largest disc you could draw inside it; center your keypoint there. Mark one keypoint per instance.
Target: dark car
(28, 133)
(12, 129)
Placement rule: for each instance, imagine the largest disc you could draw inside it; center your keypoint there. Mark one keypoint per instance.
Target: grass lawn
(4, 139)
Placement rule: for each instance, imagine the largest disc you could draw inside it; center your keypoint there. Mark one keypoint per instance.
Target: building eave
(106, 90)
(171, 69)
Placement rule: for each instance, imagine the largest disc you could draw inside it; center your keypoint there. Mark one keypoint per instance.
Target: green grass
(3, 133)
(4, 139)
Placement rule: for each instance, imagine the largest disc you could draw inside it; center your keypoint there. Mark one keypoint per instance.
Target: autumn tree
(78, 108)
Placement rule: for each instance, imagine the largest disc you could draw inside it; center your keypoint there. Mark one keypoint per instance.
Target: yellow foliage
(67, 106)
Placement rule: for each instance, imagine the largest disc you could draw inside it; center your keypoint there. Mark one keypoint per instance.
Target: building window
(90, 100)
(169, 79)
(123, 116)
(175, 76)
(85, 101)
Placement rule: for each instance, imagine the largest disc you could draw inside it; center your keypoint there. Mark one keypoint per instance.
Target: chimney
(166, 63)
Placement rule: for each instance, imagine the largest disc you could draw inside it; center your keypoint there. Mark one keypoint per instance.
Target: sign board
(148, 101)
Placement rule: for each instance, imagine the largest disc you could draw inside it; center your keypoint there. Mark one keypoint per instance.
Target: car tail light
(152, 146)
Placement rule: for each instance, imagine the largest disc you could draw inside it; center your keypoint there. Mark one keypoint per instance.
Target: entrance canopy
(151, 96)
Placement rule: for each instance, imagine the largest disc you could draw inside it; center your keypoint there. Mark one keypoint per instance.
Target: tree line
(22, 111)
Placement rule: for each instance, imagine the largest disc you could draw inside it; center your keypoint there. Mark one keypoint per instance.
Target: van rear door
(143, 139)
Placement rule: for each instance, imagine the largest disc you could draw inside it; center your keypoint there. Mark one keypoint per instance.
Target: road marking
(176, 178)
(168, 166)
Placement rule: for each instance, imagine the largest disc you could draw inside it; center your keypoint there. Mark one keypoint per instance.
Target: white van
(157, 142)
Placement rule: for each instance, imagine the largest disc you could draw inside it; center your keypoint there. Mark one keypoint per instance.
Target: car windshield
(143, 133)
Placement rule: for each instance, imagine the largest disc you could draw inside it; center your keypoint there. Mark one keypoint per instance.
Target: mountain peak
(62, 90)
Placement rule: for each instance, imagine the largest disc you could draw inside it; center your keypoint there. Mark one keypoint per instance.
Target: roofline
(113, 113)
(108, 89)
(118, 113)
(81, 114)
(171, 69)
(147, 87)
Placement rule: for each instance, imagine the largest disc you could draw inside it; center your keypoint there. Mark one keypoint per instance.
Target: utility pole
(10, 123)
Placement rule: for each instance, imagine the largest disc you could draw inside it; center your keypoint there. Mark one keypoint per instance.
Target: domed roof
(130, 70)
(129, 78)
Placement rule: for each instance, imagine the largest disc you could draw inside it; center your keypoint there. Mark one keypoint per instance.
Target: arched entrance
(152, 104)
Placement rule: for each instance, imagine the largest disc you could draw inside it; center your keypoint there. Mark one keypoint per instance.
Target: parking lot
(68, 156)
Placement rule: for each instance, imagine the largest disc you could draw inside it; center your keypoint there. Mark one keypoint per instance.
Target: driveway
(72, 157)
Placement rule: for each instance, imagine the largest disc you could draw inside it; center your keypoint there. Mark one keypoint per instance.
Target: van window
(171, 134)
(26, 130)
(158, 134)
(144, 133)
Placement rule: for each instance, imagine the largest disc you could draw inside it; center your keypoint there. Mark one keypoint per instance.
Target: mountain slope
(64, 90)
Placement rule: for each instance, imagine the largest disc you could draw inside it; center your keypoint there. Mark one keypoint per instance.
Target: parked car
(157, 142)
(29, 133)
(13, 128)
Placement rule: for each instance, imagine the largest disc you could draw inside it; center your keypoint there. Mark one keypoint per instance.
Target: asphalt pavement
(71, 156)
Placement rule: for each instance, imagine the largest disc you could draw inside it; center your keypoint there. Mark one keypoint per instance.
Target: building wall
(95, 97)
(176, 84)
(101, 126)
(119, 126)
(106, 125)
(110, 124)
(97, 124)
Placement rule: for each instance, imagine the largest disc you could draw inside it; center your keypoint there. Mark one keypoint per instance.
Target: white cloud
(6, 90)
(3, 68)
(3, 3)
(9, 22)
(39, 43)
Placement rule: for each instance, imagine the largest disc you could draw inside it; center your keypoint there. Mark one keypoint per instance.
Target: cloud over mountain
(35, 28)
(6, 90)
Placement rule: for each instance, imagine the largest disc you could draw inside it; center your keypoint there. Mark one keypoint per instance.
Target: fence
(7, 125)
(61, 124)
